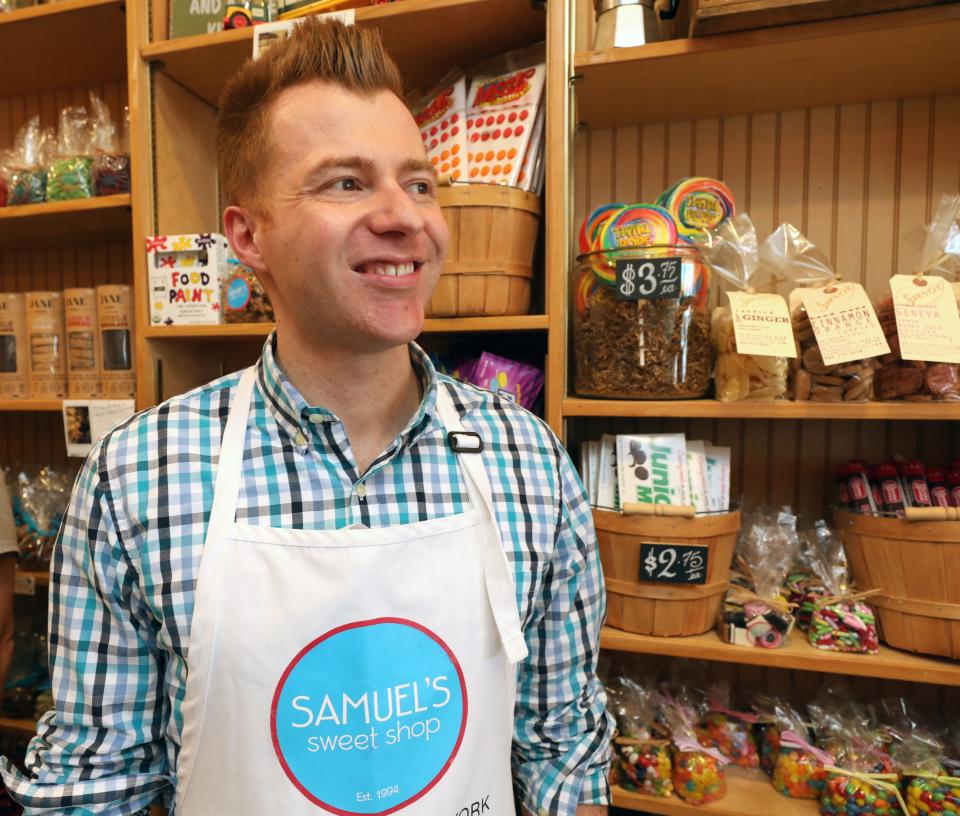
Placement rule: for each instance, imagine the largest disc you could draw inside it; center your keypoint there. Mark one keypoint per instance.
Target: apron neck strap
(230, 464)
(497, 570)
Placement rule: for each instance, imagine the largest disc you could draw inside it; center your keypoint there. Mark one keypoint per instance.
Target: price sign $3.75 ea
(648, 278)
(673, 563)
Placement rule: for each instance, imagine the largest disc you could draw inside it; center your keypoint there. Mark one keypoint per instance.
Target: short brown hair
(349, 56)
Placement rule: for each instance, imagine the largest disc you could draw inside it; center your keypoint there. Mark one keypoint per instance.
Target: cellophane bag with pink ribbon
(799, 770)
(641, 747)
(698, 772)
(728, 730)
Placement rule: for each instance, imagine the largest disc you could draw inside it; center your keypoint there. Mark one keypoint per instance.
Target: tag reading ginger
(844, 323)
(928, 323)
(761, 324)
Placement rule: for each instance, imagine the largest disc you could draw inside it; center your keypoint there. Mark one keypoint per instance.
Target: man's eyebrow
(419, 166)
(342, 163)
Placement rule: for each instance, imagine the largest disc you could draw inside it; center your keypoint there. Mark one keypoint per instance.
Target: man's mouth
(387, 269)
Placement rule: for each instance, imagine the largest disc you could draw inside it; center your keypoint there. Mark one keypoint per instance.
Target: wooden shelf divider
(891, 55)
(798, 654)
(714, 409)
(25, 727)
(31, 405)
(66, 223)
(749, 793)
(425, 37)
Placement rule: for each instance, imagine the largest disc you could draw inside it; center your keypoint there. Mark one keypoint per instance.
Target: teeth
(394, 271)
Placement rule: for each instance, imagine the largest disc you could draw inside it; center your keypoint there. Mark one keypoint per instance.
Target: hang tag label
(761, 324)
(928, 322)
(844, 323)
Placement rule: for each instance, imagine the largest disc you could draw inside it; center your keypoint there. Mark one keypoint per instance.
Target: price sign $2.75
(647, 279)
(673, 563)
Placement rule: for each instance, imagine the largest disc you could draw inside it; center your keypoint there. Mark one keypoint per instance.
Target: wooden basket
(917, 565)
(489, 267)
(665, 610)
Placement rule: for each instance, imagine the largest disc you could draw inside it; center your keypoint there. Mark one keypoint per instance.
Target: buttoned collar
(301, 421)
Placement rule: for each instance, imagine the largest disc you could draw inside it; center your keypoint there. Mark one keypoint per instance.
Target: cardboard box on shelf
(186, 272)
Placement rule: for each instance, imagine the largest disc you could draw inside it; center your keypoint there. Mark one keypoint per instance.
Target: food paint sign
(369, 717)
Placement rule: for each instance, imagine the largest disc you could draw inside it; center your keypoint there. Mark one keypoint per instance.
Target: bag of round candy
(641, 748)
(728, 730)
(698, 772)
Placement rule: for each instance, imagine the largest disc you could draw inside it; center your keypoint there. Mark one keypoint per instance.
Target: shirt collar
(299, 419)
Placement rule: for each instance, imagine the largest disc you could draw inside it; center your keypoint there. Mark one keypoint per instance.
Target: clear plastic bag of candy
(728, 730)
(699, 775)
(70, 170)
(918, 380)
(40, 499)
(641, 750)
(733, 254)
(842, 621)
(26, 174)
(766, 731)
(847, 377)
(757, 614)
(799, 770)
(111, 161)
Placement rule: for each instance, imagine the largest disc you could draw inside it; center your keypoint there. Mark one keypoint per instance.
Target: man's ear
(241, 227)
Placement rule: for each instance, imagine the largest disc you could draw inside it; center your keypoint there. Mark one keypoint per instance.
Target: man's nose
(395, 211)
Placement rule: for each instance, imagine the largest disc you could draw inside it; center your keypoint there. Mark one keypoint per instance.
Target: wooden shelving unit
(748, 792)
(38, 40)
(881, 56)
(714, 409)
(62, 223)
(30, 405)
(24, 727)
(889, 664)
(425, 37)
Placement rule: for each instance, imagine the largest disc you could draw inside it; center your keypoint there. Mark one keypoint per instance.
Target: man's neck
(374, 395)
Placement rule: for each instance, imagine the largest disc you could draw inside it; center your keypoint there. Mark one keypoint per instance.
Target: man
(398, 601)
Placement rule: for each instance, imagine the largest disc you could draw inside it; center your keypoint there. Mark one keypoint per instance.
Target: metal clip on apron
(352, 671)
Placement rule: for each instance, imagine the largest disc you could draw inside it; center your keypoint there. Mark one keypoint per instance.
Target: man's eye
(422, 187)
(347, 185)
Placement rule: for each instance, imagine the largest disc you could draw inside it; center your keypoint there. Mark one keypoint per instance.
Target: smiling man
(336, 582)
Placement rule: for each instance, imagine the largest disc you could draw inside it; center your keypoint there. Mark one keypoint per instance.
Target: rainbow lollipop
(584, 290)
(698, 204)
(638, 226)
(593, 225)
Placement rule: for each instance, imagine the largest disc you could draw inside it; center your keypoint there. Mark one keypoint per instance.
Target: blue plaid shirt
(125, 568)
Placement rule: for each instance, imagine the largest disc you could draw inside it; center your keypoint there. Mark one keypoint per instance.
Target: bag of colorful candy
(804, 584)
(40, 499)
(789, 254)
(111, 162)
(728, 730)
(26, 174)
(70, 170)
(841, 621)
(755, 613)
(698, 772)
(733, 253)
(766, 731)
(641, 747)
(799, 770)
(918, 380)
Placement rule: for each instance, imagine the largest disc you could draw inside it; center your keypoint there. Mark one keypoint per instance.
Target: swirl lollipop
(698, 204)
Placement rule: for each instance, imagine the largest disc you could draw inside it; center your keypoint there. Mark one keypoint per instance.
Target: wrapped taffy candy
(733, 254)
(800, 768)
(641, 750)
(727, 730)
(841, 621)
(843, 375)
(923, 380)
(698, 772)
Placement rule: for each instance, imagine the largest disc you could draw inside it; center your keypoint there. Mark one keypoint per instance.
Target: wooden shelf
(261, 330)
(31, 405)
(714, 409)
(893, 55)
(889, 664)
(39, 578)
(58, 223)
(23, 727)
(62, 44)
(749, 793)
(425, 37)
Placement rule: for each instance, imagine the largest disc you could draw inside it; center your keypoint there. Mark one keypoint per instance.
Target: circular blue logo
(369, 716)
(238, 293)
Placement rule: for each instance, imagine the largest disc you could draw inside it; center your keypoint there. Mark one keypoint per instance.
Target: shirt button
(316, 419)
(361, 490)
(300, 439)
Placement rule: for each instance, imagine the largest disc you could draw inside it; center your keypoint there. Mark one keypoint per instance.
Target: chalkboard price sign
(673, 563)
(647, 279)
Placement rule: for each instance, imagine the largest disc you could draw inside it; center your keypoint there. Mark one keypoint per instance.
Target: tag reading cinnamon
(928, 323)
(844, 323)
(761, 323)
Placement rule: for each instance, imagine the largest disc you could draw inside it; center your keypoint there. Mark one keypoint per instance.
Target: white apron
(352, 671)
